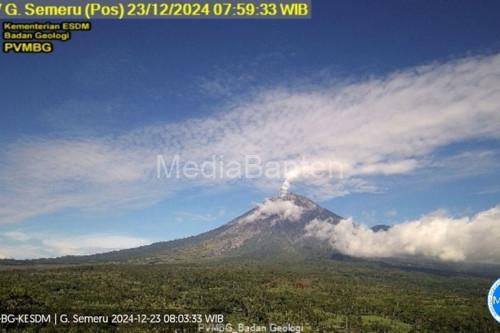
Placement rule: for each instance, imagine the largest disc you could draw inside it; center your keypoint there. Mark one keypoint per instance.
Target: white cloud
(281, 208)
(89, 244)
(382, 126)
(434, 236)
(21, 245)
(194, 216)
(464, 164)
(16, 235)
(223, 83)
(391, 213)
(20, 251)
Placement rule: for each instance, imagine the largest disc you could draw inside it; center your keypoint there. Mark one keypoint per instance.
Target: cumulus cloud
(21, 245)
(378, 126)
(434, 236)
(281, 208)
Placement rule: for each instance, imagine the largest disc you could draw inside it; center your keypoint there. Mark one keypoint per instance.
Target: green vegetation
(323, 296)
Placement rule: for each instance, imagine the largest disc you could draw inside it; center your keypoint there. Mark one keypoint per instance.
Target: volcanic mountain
(274, 228)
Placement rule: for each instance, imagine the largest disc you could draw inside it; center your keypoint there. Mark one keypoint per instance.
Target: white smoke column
(290, 175)
(312, 170)
(284, 188)
(304, 170)
(434, 236)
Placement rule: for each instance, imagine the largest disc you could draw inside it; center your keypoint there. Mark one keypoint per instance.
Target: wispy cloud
(434, 236)
(488, 191)
(464, 164)
(224, 84)
(379, 126)
(22, 245)
(391, 213)
(16, 235)
(194, 216)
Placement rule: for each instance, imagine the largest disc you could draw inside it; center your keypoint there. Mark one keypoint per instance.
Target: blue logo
(494, 300)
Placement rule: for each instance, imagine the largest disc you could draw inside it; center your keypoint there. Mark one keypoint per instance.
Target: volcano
(274, 228)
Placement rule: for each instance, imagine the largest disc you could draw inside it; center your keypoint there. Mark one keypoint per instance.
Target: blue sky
(128, 90)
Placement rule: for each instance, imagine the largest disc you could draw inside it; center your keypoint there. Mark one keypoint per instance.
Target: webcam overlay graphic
(249, 166)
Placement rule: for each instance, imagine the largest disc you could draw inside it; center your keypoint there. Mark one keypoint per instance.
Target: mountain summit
(274, 227)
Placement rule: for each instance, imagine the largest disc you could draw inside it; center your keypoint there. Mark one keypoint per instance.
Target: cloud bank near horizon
(22, 245)
(434, 236)
(379, 126)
